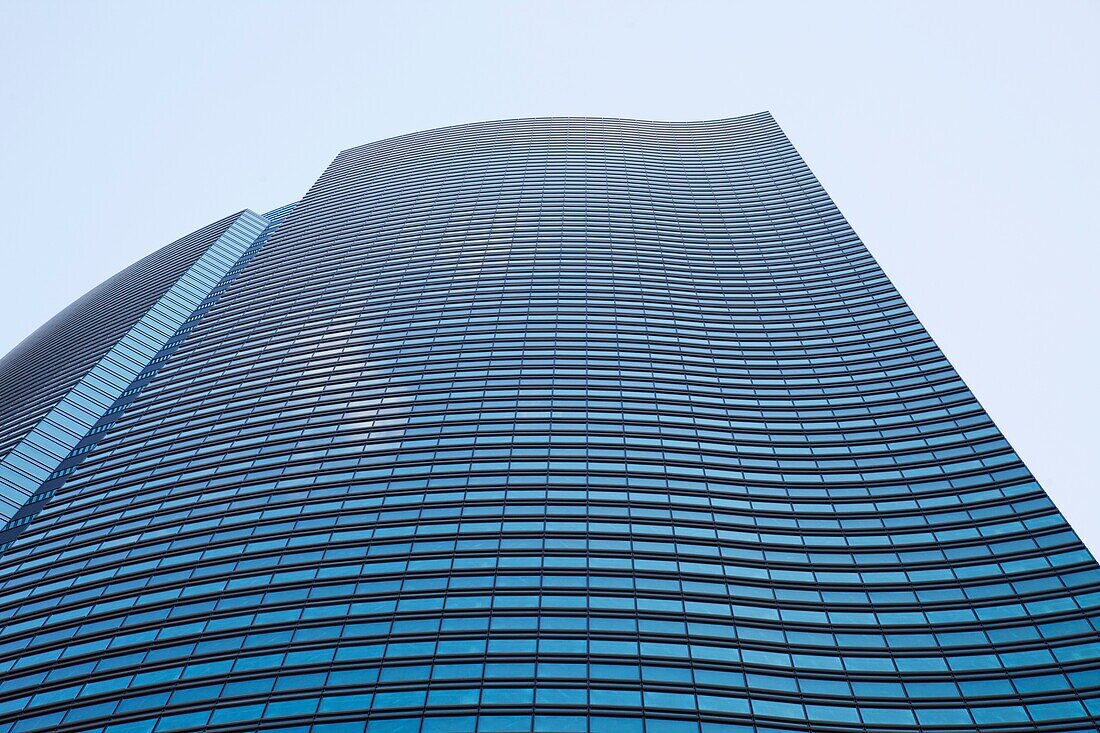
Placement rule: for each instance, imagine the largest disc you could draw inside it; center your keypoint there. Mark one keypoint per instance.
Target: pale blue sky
(958, 138)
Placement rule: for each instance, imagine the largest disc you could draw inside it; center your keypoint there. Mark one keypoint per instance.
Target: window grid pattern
(554, 425)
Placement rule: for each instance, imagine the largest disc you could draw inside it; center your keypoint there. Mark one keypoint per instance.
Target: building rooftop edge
(763, 114)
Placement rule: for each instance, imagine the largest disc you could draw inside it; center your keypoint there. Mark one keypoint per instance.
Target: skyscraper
(543, 425)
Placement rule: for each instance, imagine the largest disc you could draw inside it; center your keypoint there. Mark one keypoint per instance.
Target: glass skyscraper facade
(547, 425)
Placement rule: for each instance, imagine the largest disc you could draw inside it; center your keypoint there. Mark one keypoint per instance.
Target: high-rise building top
(541, 425)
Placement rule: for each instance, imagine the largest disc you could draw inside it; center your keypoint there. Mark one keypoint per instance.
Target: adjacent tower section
(553, 425)
(59, 381)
